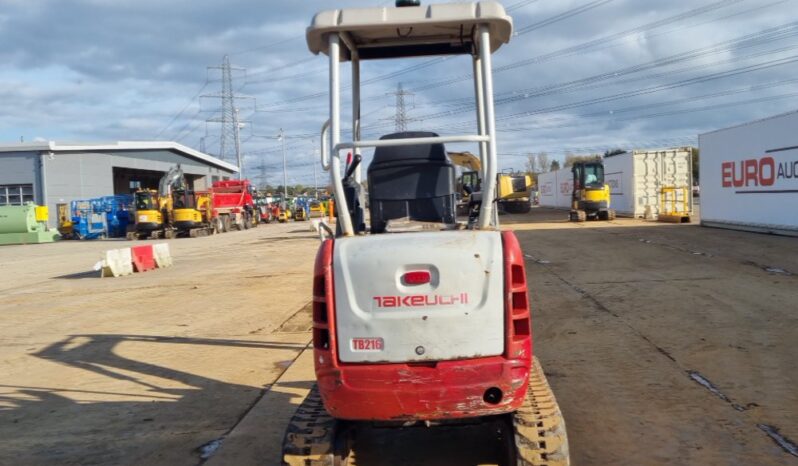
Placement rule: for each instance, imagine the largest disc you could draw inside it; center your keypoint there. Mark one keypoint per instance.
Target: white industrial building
(52, 173)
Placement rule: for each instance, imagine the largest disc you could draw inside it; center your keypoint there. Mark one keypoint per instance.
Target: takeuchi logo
(420, 300)
(764, 171)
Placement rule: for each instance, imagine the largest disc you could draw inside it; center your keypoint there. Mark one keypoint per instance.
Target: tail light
(516, 300)
(323, 304)
(418, 277)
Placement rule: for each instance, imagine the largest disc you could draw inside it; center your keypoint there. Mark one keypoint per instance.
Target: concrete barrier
(116, 263)
(119, 262)
(161, 254)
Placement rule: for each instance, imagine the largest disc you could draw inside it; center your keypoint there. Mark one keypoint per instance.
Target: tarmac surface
(664, 344)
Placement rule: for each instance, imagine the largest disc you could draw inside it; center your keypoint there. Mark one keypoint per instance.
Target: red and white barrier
(162, 256)
(125, 261)
(143, 259)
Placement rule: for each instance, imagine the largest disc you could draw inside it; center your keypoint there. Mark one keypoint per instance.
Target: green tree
(696, 155)
(571, 159)
(555, 165)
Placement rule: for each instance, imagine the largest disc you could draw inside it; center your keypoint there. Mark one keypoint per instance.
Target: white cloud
(122, 69)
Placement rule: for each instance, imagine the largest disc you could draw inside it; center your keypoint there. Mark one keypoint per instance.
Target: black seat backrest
(411, 181)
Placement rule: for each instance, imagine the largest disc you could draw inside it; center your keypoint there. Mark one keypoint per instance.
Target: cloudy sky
(579, 75)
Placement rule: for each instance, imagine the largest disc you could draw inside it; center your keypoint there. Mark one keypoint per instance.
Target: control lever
(350, 170)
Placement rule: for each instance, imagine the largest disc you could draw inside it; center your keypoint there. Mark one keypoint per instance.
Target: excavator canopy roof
(392, 32)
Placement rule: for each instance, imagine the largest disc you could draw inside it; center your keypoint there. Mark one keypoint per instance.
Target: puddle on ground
(786, 444)
(207, 450)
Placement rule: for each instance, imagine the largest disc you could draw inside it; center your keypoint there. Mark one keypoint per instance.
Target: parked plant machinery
(154, 208)
(233, 203)
(284, 214)
(301, 209)
(514, 192)
(193, 213)
(317, 209)
(101, 217)
(274, 210)
(590, 197)
(264, 210)
(469, 182)
(419, 320)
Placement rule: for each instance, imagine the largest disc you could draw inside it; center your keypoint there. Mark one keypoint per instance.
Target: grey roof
(434, 27)
(54, 146)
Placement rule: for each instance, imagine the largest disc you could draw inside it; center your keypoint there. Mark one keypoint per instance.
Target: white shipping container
(749, 176)
(555, 188)
(636, 179)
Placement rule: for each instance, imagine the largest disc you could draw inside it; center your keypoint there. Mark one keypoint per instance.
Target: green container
(18, 225)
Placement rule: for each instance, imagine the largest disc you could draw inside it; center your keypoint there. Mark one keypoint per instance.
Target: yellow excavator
(514, 192)
(154, 208)
(590, 197)
(192, 213)
(469, 181)
(513, 189)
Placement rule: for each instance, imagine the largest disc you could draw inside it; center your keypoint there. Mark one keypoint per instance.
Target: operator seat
(411, 181)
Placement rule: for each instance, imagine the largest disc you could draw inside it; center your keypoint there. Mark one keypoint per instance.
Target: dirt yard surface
(148, 368)
(664, 344)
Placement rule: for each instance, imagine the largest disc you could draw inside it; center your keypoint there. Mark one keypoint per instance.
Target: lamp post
(315, 179)
(238, 127)
(281, 137)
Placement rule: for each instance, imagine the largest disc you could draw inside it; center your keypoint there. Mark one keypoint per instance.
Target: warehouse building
(51, 173)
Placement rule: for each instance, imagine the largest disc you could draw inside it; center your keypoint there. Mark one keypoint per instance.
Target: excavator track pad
(314, 438)
(540, 436)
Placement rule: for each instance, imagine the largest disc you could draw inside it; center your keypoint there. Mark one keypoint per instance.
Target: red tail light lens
(323, 306)
(418, 277)
(518, 321)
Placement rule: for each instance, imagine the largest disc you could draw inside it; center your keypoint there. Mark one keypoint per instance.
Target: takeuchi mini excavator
(419, 320)
(590, 199)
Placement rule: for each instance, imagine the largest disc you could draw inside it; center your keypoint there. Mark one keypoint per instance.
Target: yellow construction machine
(154, 208)
(192, 213)
(513, 189)
(469, 182)
(590, 196)
(514, 192)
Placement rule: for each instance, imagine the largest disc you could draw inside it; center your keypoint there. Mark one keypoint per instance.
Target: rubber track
(310, 435)
(540, 437)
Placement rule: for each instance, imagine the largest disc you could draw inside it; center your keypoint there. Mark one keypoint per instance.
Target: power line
(518, 5)
(562, 16)
(589, 44)
(650, 106)
(591, 82)
(190, 101)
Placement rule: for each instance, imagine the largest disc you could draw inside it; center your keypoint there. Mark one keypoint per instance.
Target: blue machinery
(101, 217)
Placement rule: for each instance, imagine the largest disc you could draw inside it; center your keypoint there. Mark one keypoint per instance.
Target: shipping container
(555, 188)
(636, 179)
(749, 176)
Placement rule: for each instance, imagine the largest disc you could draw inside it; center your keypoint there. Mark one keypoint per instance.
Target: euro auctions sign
(774, 172)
